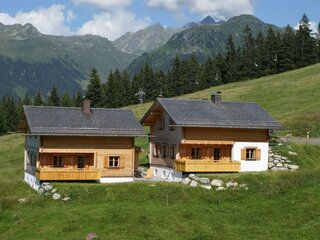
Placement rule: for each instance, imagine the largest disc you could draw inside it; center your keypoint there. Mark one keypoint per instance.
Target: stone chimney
(216, 97)
(86, 106)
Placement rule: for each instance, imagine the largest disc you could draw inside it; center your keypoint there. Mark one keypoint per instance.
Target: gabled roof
(72, 121)
(205, 113)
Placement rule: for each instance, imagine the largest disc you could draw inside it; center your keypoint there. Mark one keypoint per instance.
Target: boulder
(243, 185)
(186, 181)
(293, 166)
(194, 177)
(208, 187)
(284, 158)
(56, 196)
(217, 183)
(193, 183)
(22, 200)
(276, 161)
(292, 153)
(54, 190)
(231, 184)
(45, 183)
(279, 169)
(204, 180)
(41, 190)
(279, 164)
(220, 188)
(48, 187)
(270, 165)
(66, 199)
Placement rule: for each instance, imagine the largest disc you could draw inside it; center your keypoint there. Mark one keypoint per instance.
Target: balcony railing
(67, 174)
(188, 165)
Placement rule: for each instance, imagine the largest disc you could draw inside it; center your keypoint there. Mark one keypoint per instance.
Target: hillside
(144, 40)
(31, 60)
(291, 97)
(203, 40)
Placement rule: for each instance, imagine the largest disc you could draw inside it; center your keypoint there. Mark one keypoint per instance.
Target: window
(81, 163)
(173, 151)
(216, 153)
(156, 150)
(195, 153)
(161, 123)
(114, 161)
(57, 161)
(250, 154)
(171, 123)
(164, 150)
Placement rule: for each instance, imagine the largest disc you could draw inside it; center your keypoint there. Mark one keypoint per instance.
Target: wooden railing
(67, 174)
(188, 165)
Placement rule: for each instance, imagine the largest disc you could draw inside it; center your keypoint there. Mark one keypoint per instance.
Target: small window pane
(114, 161)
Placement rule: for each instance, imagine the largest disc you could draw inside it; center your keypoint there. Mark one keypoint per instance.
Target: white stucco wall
(166, 173)
(116, 179)
(247, 166)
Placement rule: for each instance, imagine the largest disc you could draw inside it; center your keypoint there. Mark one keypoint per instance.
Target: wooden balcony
(188, 165)
(67, 174)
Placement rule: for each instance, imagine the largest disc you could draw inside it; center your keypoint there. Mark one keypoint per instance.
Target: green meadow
(277, 205)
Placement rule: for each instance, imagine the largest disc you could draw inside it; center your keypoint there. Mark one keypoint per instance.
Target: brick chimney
(86, 106)
(216, 97)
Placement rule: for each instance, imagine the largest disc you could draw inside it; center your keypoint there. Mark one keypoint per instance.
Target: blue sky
(112, 18)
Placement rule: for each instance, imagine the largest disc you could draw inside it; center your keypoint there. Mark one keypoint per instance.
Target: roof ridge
(63, 107)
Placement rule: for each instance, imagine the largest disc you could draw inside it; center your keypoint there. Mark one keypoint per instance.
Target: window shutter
(258, 154)
(243, 154)
(106, 162)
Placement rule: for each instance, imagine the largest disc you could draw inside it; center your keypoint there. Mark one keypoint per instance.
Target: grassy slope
(282, 205)
(293, 98)
(276, 206)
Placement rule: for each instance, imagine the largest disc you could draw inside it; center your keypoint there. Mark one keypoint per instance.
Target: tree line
(256, 56)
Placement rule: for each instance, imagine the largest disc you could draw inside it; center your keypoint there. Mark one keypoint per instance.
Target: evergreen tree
(66, 101)
(220, 69)
(94, 89)
(26, 100)
(53, 99)
(286, 55)
(9, 114)
(112, 96)
(232, 61)
(209, 76)
(78, 99)
(127, 91)
(248, 56)
(191, 75)
(305, 44)
(38, 100)
(174, 76)
(271, 52)
(318, 43)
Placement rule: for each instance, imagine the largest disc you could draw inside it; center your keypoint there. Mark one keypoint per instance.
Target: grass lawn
(278, 205)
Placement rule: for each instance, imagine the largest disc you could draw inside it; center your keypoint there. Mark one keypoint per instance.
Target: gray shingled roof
(204, 113)
(72, 121)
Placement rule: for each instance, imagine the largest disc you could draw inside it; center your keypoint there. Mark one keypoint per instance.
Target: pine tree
(38, 100)
(191, 75)
(111, 90)
(78, 99)
(94, 89)
(209, 76)
(26, 100)
(318, 43)
(286, 55)
(232, 61)
(66, 101)
(305, 44)
(53, 99)
(127, 91)
(174, 76)
(9, 114)
(220, 69)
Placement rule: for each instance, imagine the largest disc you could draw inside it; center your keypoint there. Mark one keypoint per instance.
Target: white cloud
(113, 24)
(105, 4)
(51, 20)
(170, 5)
(222, 9)
(313, 26)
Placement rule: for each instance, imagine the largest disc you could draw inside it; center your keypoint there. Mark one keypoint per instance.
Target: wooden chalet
(69, 143)
(207, 136)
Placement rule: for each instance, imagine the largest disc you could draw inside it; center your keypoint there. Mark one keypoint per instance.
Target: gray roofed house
(79, 144)
(188, 136)
(206, 113)
(72, 121)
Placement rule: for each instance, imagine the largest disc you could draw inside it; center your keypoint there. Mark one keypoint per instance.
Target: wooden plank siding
(226, 134)
(206, 151)
(96, 150)
(187, 165)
